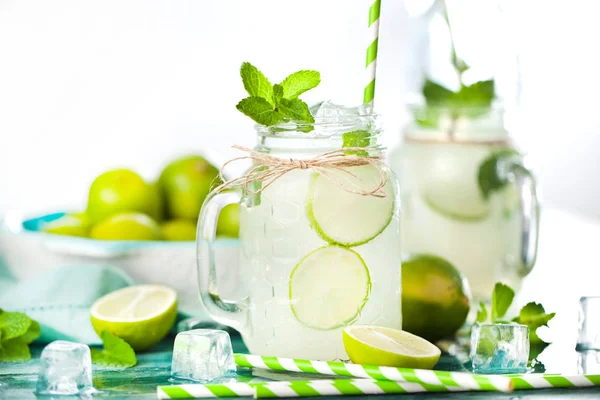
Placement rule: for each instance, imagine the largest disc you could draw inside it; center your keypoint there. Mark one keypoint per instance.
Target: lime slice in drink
(377, 345)
(329, 287)
(449, 186)
(141, 315)
(345, 218)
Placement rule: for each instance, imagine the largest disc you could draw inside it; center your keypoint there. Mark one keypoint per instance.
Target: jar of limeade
(319, 237)
(467, 196)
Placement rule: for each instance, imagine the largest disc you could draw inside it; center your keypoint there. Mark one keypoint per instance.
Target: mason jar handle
(231, 313)
(529, 211)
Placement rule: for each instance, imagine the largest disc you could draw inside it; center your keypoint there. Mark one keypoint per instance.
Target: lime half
(346, 218)
(141, 315)
(377, 345)
(329, 287)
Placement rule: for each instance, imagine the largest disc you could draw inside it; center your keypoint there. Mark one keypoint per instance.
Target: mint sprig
(532, 314)
(17, 331)
(470, 101)
(270, 104)
(117, 353)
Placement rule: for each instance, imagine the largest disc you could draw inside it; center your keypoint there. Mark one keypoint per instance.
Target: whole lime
(185, 183)
(229, 221)
(435, 297)
(179, 229)
(118, 191)
(127, 226)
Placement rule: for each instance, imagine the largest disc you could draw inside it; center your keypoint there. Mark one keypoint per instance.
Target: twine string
(334, 165)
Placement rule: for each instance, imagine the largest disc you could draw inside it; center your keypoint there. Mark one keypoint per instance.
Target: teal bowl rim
(17, 224)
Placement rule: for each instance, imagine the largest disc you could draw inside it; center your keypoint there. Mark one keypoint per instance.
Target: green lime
(185, 183)
(70, 225)
(118, 191)
(329, 287)
(435, 297)
(141, 315)
(179, 230)
(127, 226)
(229, 221)
(378, 345)
(342, 217)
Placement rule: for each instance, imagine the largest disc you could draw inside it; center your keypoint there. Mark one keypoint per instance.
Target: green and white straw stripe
(323, 387)
(462, 380)
(371, 65)
(542, 381)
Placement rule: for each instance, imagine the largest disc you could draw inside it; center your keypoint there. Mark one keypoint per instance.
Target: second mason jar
(318, 252)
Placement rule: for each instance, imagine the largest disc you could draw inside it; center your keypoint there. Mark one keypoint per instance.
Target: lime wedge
(345, 218)
(141, 315)
(377, 345)
(329, 287)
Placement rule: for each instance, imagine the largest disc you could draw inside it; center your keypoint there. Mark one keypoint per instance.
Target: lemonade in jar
(319, 229)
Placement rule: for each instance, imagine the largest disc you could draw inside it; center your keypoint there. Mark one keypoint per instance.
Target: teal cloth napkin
(60, 298)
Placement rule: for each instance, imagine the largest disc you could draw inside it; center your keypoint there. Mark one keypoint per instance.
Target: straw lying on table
(542, 381)
(462, 380)
(324, 387)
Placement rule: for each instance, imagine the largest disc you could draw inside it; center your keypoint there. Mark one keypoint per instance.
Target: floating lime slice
(345, 218)
(377, 345)
(450, 185)
(329, 287)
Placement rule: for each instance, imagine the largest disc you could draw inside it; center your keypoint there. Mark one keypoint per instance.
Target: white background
(90, 85)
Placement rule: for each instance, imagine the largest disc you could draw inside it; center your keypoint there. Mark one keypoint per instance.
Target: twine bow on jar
(334, 165)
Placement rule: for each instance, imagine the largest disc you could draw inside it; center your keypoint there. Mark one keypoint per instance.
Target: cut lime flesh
(329, 287)
(345, 218)
(377, 345)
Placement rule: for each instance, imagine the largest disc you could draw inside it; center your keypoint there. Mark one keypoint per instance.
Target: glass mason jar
(467, 196)
(315, 255)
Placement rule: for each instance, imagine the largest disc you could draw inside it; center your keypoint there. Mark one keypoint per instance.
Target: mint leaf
(260, 110)
(32, 333)
(14, 324)
(117, 353)
(255, 83)
(533, 315)
(296, 110)
(470, 101)
(502, 298)
(488, 178)
(14, 350)
(482, 313)
(357, 138)
(277, 94)
(299, 82)
(436, 95)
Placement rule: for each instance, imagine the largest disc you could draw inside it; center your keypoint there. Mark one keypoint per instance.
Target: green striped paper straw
(542, 381)
(346, 387)
(197, 391)
(371, 65)
(462, 380)
(324, 387)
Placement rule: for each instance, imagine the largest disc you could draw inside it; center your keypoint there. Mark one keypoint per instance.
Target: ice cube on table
(499, 348)
(65, 369)
(202, 355)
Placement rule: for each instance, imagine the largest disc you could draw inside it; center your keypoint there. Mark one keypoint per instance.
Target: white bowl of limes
(146, 229)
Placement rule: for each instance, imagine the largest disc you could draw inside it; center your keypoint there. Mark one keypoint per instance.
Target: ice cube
(328, 109)
(499, 348)
(65, 369)
(202, 355)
